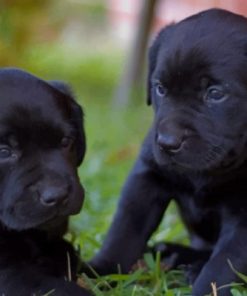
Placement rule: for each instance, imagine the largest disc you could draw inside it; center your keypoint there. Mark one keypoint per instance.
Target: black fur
(42, 142)
(195, 153)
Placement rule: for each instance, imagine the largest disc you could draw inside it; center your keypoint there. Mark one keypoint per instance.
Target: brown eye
(67, 142)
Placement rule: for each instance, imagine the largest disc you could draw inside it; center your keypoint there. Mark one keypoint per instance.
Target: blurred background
(99, 48)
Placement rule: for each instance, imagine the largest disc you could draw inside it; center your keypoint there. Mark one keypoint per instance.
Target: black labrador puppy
(194, 153)
(41, 144)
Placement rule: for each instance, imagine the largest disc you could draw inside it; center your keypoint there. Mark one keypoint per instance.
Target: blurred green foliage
(28, 23)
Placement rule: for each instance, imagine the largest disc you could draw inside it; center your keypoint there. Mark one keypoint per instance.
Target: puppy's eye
(67, 142)
(160, 90)
(215, 94)
(5, 152)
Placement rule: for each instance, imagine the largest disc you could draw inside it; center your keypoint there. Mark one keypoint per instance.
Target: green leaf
(239, 274)
(149, 260)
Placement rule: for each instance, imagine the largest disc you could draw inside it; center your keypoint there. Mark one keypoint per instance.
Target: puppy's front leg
(231, 246)
(139, 212)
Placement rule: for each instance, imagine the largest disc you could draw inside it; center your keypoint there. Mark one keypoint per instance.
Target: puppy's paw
(192, 271)
(95, 268)
(174, 255)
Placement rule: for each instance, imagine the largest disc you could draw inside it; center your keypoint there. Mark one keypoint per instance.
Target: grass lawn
(113, 140)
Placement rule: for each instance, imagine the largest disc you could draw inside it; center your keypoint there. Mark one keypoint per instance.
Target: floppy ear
(161, 38)
(77, 118)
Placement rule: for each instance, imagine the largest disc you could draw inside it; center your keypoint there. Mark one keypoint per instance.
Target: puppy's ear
(161, 39)
(77, 118)
(63, 87)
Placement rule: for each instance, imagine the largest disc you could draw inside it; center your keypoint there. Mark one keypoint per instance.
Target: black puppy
(195, 153)
(41, 144)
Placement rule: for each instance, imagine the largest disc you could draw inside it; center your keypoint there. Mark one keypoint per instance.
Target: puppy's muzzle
(51, 192)
(54, 195)
(171, 137)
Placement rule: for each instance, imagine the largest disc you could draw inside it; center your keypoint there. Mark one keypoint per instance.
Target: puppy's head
(197, 84)
(41, 144)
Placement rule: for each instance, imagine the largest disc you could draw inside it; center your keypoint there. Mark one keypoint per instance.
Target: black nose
(169, 143)
(53, 195)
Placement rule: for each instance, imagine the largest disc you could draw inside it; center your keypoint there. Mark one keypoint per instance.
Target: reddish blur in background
(123, 14)
(78, 23)
(38, 34)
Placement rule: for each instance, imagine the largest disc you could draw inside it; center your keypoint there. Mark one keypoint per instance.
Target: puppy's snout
(53, 195)
(169, 143)
(170, 137)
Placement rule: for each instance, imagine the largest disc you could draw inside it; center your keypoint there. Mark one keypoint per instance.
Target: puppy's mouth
(173, 150)
(192, 154)
(21, 220)
(169, 147)
(30, 214)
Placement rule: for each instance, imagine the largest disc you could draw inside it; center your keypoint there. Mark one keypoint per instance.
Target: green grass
(114, 137)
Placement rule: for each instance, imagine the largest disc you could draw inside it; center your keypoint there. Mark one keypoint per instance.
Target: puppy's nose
(169, 143)
(54, 195)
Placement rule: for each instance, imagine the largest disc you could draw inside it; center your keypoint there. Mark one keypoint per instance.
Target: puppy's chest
(201, 215)
(194, 190)
(197, 207)
(197, 203)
